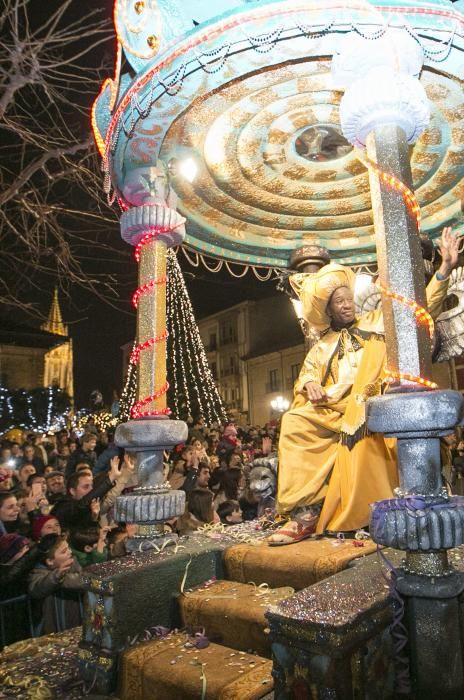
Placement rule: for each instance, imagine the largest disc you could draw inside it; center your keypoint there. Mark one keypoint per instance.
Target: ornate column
(152, 225)
(384, 109)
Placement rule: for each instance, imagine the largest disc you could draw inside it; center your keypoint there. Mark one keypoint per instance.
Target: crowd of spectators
(57, 494)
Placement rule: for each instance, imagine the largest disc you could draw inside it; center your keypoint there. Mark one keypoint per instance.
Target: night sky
(99, 329)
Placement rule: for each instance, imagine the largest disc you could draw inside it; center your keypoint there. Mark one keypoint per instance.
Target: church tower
(58, 369)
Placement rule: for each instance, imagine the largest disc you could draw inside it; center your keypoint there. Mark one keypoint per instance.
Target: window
(214, 370)
(295, 371)
(273, 380)
(212, 342)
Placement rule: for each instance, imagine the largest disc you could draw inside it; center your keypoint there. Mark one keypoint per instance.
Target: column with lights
(384, 109)
(152, 225)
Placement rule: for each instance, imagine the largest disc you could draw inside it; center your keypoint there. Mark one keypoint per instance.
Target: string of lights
(138, 413)
(129, 392)
(192, 389)
(393, 376)
(41, 410)
(422, 316)
(190, 366)
(146, 345)
(395, 184)
(151, 234)
(145, 289)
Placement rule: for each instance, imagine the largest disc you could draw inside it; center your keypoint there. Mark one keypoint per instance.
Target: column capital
(136, 222)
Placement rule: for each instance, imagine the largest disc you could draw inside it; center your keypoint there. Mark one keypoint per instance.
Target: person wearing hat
(56, 487)
(45, 525)
(330, 469)
(17, 559)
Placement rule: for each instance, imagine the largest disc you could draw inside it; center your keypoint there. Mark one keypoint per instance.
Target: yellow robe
(313, 464)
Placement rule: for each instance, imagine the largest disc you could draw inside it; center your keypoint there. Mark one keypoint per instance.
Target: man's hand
(102, 539)
(114, 471)
(95, 508)
(130, 461)
(448, 247)
(316, 393)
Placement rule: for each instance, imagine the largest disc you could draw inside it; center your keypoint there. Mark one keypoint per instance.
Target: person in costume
(330, 469)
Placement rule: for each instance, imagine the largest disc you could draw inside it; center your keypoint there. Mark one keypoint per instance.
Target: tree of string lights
(192, 389)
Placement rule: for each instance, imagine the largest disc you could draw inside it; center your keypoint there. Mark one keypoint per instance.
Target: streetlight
(280, 404)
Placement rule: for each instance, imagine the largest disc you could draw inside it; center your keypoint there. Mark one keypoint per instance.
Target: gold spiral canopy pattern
(276, 173)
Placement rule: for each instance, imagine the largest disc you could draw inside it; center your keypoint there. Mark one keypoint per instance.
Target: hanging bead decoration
(173, 84)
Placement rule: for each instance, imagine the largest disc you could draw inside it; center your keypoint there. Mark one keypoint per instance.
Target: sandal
(303, 530)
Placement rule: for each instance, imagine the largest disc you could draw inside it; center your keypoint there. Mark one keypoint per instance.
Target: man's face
(56, 484)
(25, 472)
(341, 306)
(6, 455)
(28, 452)
(235, 461)
(9, 510)
(83, 487)
(90, 445)
(203, 478)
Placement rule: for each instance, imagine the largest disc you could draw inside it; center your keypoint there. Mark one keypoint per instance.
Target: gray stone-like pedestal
(153, 501)
(425, 522)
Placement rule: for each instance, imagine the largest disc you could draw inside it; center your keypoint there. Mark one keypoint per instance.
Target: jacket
(76, 514)
(60, 599)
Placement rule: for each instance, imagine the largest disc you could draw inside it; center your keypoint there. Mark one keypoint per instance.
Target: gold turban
(315, 290)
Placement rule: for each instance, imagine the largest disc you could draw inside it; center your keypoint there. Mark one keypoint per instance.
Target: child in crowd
(45, 525)
(89, 545)
(230, 513)
(57, 581)
(199, 512)
(117, 538)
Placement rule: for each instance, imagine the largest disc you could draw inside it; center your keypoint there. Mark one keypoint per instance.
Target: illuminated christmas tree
(192, 389)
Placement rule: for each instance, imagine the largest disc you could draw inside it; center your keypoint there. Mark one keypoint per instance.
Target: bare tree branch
(55, 226)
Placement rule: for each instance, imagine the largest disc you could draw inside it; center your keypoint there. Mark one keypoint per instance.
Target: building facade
(32, 357)
(254, 349)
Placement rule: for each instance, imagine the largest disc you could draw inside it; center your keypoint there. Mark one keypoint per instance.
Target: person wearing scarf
(330, 468)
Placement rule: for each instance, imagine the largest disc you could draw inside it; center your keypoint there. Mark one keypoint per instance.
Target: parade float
(242, 132)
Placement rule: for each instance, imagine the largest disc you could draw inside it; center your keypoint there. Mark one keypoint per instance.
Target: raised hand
(114, 471)
(448, 246)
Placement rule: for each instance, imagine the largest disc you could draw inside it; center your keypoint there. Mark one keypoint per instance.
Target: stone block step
(232, 613)
(167, 669)
(297, 565)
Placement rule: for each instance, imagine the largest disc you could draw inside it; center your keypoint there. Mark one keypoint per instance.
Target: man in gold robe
(330, 469)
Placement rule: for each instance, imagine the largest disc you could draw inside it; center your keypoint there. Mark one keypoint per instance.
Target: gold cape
(314, 464)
